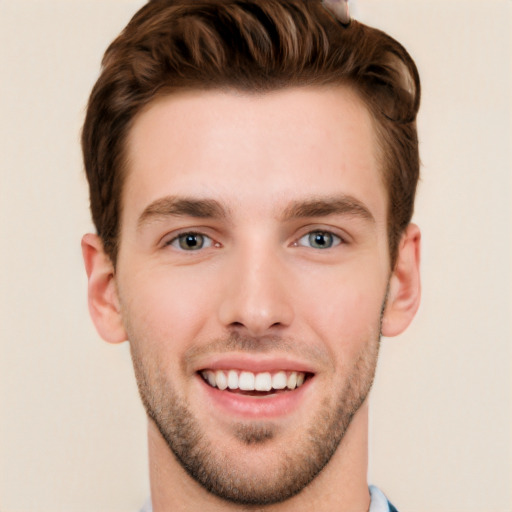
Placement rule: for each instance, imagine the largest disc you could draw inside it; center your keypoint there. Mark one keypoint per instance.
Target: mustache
(236, 342)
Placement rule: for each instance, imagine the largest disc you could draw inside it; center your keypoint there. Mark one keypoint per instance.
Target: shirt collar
(378, 503)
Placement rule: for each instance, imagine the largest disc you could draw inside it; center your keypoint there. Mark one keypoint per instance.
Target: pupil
(191, 241)
(321, 240)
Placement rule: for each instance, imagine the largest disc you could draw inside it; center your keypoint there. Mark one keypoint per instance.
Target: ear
(103, 298)
(404, 286)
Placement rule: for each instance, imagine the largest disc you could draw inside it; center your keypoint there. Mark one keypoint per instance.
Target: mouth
(261, 384)
(256, 388)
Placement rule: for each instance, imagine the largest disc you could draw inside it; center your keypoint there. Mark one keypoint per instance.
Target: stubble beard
(298, 466)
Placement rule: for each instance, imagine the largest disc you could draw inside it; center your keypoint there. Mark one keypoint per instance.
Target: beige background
(72, 432)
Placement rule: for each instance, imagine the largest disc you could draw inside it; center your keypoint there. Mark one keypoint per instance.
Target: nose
(256, 299)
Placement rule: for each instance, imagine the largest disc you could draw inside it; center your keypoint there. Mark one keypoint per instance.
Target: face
(251, 277)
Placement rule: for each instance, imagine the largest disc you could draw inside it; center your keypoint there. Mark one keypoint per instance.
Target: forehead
(244, 149)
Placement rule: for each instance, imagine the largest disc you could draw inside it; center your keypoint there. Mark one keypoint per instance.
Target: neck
(341, 486)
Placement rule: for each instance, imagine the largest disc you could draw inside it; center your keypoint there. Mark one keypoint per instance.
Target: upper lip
(254, 364)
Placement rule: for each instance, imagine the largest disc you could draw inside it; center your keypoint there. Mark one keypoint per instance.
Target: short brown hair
(254, 46)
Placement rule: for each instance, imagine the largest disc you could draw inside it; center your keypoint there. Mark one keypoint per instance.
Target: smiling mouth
(254, 384)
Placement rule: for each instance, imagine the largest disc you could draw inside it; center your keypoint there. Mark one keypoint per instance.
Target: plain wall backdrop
(72, 431)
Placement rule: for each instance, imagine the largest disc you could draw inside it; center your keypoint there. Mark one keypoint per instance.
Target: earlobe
(103, 300)
(404, 286)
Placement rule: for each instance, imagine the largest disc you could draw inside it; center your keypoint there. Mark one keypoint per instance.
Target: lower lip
(256, 407)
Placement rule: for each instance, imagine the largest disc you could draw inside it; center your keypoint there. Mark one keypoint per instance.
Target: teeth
(232, 379)
(248, 381)
(263, 382)
(292, 381)
(210, 376)
(222, 381)
(279, 380)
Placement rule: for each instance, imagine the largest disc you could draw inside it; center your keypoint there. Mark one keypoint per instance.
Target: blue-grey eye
(191, 242)
(319, 240)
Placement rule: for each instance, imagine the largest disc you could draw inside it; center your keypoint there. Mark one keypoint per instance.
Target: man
(252, 169)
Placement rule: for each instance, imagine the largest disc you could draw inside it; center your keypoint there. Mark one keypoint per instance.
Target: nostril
(255, 331)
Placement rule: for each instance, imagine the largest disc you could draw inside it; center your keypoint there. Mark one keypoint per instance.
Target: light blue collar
(378, 503)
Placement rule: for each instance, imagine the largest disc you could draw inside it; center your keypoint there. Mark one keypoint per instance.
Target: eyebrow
(321, 207)
(181, 207)
(211, 209)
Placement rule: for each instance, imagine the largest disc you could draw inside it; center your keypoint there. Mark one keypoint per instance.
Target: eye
(191, 242)
(319, 240)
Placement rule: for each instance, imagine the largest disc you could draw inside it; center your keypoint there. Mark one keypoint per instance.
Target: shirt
(378, 503)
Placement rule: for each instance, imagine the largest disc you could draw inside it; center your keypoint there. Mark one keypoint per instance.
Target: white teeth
(292, 381)
(279, 380)
(248, 381)
(263, 382)
(232, 379)
(222, 381)
(211, 378)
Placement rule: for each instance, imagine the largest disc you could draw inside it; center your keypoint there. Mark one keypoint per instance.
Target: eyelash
(205, 242)
(335, 240)
(177, 241)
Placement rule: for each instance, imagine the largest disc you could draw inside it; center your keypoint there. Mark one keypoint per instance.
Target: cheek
(167, 309)
(350, 314)
(346, 312)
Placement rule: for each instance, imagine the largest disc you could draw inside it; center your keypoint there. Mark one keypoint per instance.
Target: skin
(259, 173)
